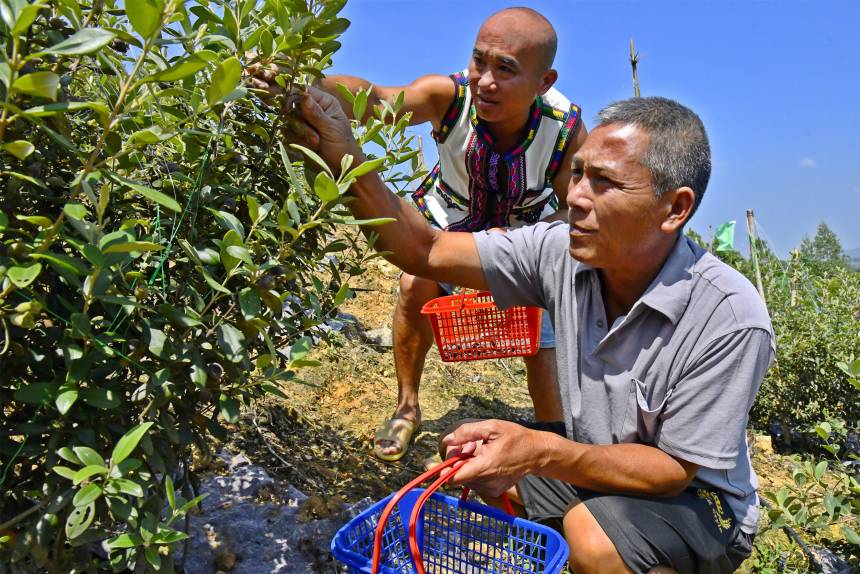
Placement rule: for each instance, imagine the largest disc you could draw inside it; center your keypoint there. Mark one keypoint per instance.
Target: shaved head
(530, 29)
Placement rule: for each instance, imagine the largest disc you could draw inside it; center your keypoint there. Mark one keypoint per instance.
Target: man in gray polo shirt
(661, 347)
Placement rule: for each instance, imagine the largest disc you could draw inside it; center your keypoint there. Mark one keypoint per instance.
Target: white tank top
(473, 187)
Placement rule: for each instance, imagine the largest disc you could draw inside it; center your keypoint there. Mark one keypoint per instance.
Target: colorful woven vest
(473, 187)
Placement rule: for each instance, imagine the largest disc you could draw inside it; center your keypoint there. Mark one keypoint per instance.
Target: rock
(830, 562)
(225, 560)
(379, 337)
(252, 524)
(763, 444)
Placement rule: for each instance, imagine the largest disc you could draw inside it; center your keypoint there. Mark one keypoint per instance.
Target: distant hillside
(854, 257)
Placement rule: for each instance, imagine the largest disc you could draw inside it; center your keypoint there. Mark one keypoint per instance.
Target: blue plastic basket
(454, 536)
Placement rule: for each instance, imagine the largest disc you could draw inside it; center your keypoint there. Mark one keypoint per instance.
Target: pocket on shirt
(643, 418)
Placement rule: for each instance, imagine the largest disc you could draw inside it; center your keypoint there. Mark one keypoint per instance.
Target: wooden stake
(634, 61)
(422, 162)
(754, 253)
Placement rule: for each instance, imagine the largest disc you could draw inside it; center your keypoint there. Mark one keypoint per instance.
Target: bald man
(505, 138)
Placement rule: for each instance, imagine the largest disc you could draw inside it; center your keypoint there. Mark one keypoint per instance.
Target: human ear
(547, 80)
(679, 208)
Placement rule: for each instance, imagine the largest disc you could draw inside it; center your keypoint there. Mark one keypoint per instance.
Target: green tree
(824, 251)
(166, 256)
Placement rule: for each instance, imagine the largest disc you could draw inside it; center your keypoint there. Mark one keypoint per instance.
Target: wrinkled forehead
(616, 144)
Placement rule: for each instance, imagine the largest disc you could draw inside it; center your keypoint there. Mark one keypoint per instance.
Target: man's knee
(591, 550)
(416, 290)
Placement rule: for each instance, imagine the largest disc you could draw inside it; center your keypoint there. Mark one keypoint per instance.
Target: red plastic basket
(469, 326)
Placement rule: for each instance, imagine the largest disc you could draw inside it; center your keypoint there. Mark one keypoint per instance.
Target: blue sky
(776, 84)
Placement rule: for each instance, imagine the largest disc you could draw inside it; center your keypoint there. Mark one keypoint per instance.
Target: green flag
(725, 236)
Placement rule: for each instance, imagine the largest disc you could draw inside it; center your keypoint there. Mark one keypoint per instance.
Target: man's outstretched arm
(427, 98)
(414, 245)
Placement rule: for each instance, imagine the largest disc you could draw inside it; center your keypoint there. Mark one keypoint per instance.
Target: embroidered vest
(473, 187)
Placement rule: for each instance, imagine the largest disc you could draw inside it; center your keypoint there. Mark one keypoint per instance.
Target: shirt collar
(669, 292)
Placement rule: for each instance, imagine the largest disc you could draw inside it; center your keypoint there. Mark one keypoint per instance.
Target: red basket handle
(456, 462)
(431, 308)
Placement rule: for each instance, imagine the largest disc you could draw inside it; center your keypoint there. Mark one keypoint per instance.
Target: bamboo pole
(754, 253)
(634, 62)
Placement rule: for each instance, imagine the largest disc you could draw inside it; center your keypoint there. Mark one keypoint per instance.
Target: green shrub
(816, 318)
(822, 504)
(164, 257)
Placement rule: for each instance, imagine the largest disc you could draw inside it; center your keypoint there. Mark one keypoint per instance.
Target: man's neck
(508, 133)
(622, 287)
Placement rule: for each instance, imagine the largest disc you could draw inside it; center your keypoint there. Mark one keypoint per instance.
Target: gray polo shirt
(680, 371)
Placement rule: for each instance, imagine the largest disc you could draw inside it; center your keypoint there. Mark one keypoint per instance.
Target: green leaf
(153, 557)
(79, 520)
(144, 15)
(178, 317)
(88, 471)
(224, 80)
(253, 208)
(23, 276)
(273, 390)
(851, 535)
(167, 536)
(820, 469)
(214, 284)
(359, 105)
(149, 135)
(342, 294)
(59, 107)
(179, 70)
(231, 342)
(231, 238)
(37, 220)
(19, 148)
(127, 486)
(85, 41)
(101, 398)
(781, 496)
(4, 221)
(66, 399)
(26, 17)
(63, 262)
(88, 456)
(41, 84)
(125, 541)
(365, 222)
(158, 344)
(75, 210)
(36, 393)
(313, 155)
(24, 177)
(240, 252)
(229, 408)
(68, 455)
(169, 492)
(249, 303)
(149, 193)
(230, 221)
(132, 246)
(128, 443)
(89, 493)
(65, 472)
(364, 167)
(325, 187)
(300, 348)
(830, 504)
